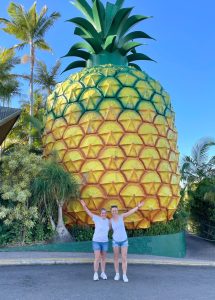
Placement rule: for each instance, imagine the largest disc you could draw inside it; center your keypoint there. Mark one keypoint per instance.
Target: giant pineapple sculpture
(111, 124)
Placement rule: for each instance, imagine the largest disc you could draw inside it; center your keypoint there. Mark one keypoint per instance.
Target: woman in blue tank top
(120, 239)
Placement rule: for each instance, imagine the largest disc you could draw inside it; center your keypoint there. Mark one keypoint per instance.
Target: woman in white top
(120, 239)
(100, 240)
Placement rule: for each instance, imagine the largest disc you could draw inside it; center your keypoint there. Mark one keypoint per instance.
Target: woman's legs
(97, 254)
(103, 261)
(124, 251)
(116, 259)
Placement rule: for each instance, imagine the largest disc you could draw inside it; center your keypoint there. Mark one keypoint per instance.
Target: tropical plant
(198, 166)
(202, 208)
(45, 78)
(21, 131)
(52, 188)
(9, 86)
(30, 28)
(17, 173)
(112, 124)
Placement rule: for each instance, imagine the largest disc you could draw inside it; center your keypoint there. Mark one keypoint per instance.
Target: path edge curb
(77, 260)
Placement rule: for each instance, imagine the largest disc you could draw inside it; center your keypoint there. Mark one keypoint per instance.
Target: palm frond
(9, 86)
(41, 44)
(45, 23)
(20, 46)
(28, 26)
(200, 150)
(55, 69)
(37, 124)
(45, 78)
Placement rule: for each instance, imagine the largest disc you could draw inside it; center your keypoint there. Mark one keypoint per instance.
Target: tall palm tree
(29, 27)
(47, 78)
(196, 167)
(9, 85)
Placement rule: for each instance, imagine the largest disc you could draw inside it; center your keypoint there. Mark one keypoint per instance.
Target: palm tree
(28, 125)
(52, 187)
(198, 166)
(46, 78)
(7, 90)
(9, 85)
(29, 27)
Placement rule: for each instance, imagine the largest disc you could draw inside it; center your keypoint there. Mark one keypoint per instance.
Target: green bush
(81, 233)
(17, 225)
(202, 208)
(10, 234)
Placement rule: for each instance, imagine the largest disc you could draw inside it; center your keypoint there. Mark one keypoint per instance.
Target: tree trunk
(63, 234)
(32, 55)
(23, 236)
(52, 223)
(49, 91)
(49, 214)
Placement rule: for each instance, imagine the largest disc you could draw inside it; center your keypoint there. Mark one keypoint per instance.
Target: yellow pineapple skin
(113, 128)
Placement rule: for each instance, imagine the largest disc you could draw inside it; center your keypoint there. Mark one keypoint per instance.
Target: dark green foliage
(10, 234)
(81, 233)
(202, 208)
(54, 184)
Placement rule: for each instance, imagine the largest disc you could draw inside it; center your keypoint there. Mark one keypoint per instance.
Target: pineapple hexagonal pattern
(113, 128)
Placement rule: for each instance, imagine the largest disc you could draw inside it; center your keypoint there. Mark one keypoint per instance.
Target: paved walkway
(74, 282)
(199, 253)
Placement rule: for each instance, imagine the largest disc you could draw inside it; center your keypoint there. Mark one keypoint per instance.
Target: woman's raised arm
(133, 210)
(86, 209)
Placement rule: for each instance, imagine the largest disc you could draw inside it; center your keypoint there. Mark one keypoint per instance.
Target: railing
(202, 230)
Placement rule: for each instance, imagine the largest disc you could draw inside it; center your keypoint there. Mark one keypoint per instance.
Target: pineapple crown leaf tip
(106, 29)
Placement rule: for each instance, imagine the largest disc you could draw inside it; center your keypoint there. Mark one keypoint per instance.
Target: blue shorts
(100, 246)
(120, 244)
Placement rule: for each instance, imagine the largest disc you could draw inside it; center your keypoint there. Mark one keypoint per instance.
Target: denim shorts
(120, 244)
(100, 246)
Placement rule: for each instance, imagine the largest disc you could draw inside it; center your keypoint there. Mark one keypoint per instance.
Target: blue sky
(184, 50)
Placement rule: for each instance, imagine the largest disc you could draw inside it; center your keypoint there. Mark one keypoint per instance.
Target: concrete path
(74, 282)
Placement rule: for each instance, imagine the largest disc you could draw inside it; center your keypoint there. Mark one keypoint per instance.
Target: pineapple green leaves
(105, 30)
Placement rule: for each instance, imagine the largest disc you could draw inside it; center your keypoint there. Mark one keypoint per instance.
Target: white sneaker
(125, 278)
(95, 276)
(103, 276)
(117, 277)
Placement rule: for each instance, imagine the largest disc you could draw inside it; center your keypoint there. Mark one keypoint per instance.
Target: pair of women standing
(100, 239)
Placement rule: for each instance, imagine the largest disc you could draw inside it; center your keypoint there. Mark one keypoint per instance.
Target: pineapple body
(113, 128)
